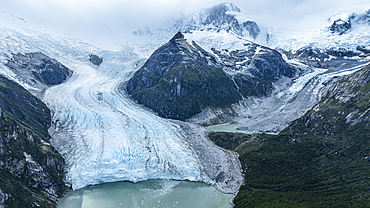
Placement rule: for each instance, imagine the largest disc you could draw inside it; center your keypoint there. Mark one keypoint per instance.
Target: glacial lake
(232, 128)
(147, 194)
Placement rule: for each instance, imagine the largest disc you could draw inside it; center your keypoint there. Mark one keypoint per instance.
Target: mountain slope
(344, 39)
(181, 79)
(32, 171)
(319, 160)
(255, 68)
(38, 70)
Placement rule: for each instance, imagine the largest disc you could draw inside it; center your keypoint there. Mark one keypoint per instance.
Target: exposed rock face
(339, 26)
(252, 28)
(32, 171)
(219, 17)
(344, 22)
(38, 70)
(181, 79)
(364, 50)
(325, 58)
(312, 56)
(96, 60)
(255, 68)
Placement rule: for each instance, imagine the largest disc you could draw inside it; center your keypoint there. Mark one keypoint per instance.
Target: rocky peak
(178, 36)
(95, 59)
(178, 51)
(343, 22)
(225, 16)
(180, 79)
(340, 26)
(255, 68)
(217, 15)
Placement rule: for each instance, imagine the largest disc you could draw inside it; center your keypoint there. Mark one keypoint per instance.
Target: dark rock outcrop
(181, 79)
(338, 53)
(325, 58)
(31, 170)
(340, 26)
(95, 59)
(348, 21)
(252, 28)
(311, 56)
(363, 49)
(38, 70)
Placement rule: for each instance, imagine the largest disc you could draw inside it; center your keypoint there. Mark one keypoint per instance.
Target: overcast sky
(88, 16)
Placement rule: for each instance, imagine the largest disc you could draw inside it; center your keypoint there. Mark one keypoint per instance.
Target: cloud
(299, 13)
(130, 13)
(89, 18)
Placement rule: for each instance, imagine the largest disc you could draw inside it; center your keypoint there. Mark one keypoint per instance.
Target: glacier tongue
(106, 137)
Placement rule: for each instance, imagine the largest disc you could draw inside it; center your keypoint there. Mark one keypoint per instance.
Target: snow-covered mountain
(101, 133)
(222, 17)
(105, 136)
(222, 26)
(344, 31)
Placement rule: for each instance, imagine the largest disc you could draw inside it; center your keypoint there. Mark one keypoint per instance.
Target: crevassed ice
(103, 136)
(110, 138)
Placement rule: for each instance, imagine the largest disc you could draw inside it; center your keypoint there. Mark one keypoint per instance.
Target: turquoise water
(227, 128)
(152, 193)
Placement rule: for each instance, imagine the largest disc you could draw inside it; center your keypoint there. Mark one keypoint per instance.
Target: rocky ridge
(180, 79)
(32, 171)
(38, 70)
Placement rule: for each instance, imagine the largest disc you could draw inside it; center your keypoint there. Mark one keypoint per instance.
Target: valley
(211, 104)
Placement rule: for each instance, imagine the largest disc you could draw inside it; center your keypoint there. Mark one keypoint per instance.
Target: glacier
(111, 138)
(103, 135)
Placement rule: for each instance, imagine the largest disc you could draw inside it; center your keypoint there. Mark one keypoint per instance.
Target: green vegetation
(31, 171)
(25, 187)
(24, 108)
(177, 82)
(187, 96)
(321, 160)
